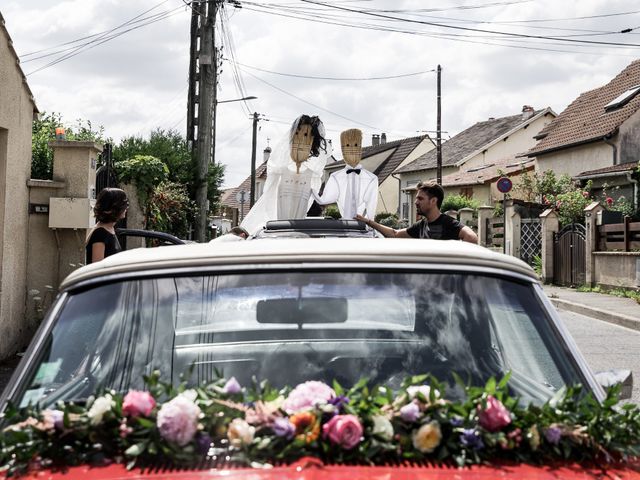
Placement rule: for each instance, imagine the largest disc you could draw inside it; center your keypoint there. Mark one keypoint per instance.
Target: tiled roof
(406, 146)
(228, 198)
(3, 28)
(402, 148)
(471, 140)
(622, 167)
(585, 120)
(489, 173)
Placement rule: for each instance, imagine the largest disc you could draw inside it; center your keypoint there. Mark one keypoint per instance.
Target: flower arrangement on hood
(363, 424)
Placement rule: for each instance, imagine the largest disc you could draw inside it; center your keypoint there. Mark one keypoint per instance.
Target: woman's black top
(100, 235)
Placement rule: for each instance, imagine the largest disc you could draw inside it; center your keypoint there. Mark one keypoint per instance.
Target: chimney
(266, 153)
(383, 139)
(375, 140)
(527, 112)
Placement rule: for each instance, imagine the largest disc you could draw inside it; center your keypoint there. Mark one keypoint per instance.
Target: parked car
(290, 311)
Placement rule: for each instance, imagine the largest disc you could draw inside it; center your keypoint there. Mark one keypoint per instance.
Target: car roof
(295, 250)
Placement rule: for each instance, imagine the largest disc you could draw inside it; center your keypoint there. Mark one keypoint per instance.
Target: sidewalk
(621, 311)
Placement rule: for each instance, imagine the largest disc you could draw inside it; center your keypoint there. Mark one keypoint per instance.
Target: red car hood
(313, 470)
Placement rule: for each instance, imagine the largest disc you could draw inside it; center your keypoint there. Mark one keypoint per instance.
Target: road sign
(504, 185)
(241, 196)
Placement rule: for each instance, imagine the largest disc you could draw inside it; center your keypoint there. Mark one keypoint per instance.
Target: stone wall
(616, 269)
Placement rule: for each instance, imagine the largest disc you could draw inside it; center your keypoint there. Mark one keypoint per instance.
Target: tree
(44, 130)
(172, 149)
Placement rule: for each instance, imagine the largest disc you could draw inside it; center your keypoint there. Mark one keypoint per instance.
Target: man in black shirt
(434, 224)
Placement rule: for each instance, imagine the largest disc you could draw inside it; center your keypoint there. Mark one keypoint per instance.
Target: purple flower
(553, 435)
(308, 395)
(456, 422)
(282, 427)
(232, 386)
(339, 402)
(410, 412)
(471, 438)
(203, 442)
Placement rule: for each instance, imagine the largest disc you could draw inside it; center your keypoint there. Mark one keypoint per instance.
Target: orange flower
(307, 426)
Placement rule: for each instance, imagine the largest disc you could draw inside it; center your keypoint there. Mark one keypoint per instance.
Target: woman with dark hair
(294, 168)
(111, 206)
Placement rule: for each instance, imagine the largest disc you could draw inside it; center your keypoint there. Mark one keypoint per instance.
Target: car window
(291, 326)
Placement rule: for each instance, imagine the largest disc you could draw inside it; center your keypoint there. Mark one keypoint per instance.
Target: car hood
(313, 469)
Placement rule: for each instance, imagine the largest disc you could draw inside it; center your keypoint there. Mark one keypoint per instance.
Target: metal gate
(105, 175)
(569, 256)
(530, 239)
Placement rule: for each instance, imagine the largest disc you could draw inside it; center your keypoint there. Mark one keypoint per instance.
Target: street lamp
(237, 99)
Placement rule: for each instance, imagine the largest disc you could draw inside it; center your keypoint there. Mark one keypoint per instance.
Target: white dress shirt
(355, 192)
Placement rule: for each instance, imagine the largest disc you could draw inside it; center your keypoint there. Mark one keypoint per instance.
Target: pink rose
(609, 201)
(343, 430)
(137, 404)
(494, 416)
(308, 395)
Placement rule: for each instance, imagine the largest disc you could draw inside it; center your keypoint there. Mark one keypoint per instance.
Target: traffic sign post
(241, 197)
(504, 186)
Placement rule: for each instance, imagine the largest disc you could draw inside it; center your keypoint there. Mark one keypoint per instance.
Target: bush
(332, 212)
(143, 171)
(387, 218)
(169, 209)
(457, 202)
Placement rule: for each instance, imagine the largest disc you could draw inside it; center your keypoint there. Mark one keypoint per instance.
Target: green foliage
(416, 422)
(332, 211)
(537, 264)
(571, 204)
(170, 209)
(43, 130)
(143, 171)
(387, 219)
(613, 201)
(172, 149)
(616, 292)
(457, 202)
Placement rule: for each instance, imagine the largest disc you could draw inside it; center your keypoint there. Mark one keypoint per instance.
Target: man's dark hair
(432, 189)
(239, 231)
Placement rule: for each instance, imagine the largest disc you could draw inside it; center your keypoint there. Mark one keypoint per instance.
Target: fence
(623, 237)
(495, 232)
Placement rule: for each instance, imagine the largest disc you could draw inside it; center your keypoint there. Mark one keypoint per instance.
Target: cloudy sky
(496, 56)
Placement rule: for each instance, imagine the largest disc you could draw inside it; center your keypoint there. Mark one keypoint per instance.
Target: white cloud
(137, 82)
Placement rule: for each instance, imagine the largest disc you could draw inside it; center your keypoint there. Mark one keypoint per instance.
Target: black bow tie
(353, 170)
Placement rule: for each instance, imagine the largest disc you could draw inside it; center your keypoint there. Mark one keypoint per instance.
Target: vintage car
(354, 324)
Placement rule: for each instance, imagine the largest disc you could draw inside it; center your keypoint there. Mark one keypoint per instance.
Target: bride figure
(295, 168)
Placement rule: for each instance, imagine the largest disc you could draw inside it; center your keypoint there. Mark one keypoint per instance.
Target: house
(479, 182)
(383, 158)
(17, 112)
(478, 146)
(596, 134)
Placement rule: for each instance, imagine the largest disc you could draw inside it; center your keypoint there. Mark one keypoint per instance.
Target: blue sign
(504, 185)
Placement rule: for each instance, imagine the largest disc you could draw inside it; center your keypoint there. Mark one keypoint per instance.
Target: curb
(598, 314)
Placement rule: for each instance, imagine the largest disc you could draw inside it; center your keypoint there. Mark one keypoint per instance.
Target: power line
(335, 78)
(470, 29)
(96, 42)
(450, 37)
(309, 103)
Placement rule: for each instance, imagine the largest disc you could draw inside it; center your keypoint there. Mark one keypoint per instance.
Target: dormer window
(622, 100)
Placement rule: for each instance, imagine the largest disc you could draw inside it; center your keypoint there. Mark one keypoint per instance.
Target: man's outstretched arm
(383, 229)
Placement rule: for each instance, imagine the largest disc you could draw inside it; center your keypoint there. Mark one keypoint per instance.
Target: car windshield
(288, 327)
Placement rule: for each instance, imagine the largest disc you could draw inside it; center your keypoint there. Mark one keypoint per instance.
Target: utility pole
(254, 142)
(203, 81)
(439, 132)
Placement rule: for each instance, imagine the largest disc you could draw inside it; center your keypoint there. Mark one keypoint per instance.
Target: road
(606, 346)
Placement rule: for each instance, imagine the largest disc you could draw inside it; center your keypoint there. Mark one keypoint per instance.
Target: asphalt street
(606, 346)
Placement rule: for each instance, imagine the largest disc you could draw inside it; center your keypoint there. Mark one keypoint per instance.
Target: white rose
(382, 427)
(423, 389)
(101, 406)
(240, 432)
